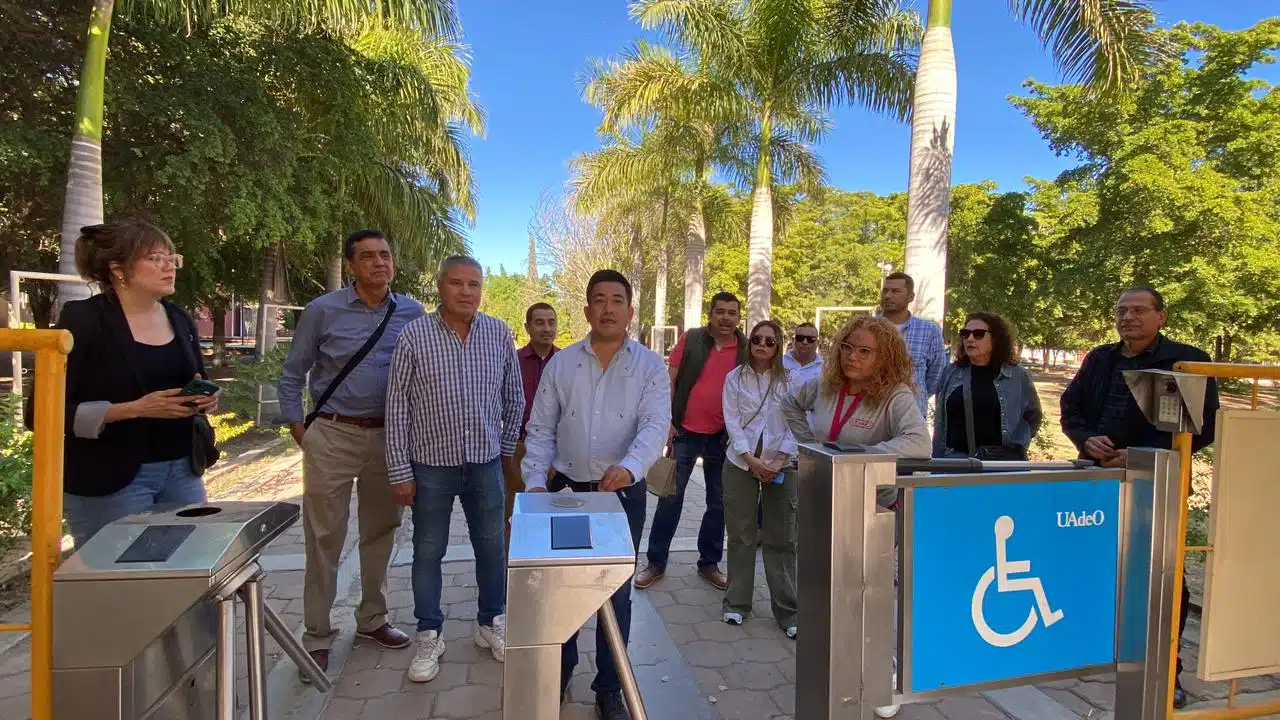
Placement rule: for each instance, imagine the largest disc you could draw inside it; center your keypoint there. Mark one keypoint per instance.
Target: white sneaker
(733, 618)
(494, 637)
(888, 711)
(426, 661)
(792, 632)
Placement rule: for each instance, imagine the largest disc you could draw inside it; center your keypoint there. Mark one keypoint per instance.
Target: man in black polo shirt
(1099, 413)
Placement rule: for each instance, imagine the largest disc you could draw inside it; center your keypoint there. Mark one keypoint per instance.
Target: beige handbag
(661, 479)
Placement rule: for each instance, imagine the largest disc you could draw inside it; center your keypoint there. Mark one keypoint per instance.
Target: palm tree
(668, 99)
(1103, 44)
(776, 64)
(83, 202)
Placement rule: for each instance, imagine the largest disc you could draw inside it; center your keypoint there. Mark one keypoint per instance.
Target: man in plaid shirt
(923, 337)
(454, 405)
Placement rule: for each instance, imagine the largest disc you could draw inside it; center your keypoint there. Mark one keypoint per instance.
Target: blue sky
(527, 58)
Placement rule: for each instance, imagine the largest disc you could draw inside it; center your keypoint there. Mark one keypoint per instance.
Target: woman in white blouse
(760, 448)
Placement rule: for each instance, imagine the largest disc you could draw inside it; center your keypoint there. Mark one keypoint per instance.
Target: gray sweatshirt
(896, 427)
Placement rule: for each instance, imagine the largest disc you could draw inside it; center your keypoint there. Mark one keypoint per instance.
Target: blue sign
(1012, 580)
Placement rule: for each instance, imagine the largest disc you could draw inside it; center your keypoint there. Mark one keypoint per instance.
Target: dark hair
(528, 314)
(1156, 297)
(806, 324)
(911, 284)
(1003, 339)
(726, 297)
(123, 242)
(604, 276)
(349, 245)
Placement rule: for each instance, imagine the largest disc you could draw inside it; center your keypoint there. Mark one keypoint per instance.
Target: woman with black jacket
(131, 440)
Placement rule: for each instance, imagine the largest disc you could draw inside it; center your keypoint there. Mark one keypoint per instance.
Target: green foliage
(241, 397)
(15, 475)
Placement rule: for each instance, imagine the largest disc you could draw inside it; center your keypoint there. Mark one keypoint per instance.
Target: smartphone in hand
(198, 388)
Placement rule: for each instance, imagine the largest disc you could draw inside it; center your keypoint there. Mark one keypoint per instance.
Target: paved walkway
(690, 665)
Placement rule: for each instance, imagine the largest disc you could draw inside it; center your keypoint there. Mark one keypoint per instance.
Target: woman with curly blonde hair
(864, 396)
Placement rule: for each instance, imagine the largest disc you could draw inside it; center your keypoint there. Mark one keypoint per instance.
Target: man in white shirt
(600, 420)
(803, 363)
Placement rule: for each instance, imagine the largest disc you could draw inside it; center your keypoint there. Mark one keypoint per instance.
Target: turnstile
(144, 615)
(569, 553)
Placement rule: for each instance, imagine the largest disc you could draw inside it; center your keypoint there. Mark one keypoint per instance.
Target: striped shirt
(451, 402)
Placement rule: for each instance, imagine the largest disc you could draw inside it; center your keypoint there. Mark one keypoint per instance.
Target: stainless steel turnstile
(144, 616)
(569, 553)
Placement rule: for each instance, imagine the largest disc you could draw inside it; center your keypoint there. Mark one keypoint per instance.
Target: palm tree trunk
(695, 248)
(637, 279)
(929, 187)
(83, 202)
(760, 248)
(660, 276)
(333, 277)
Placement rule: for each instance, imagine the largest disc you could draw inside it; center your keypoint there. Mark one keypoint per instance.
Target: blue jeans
(169, 482)
(688, 447)
(480, 486)
(633, 504)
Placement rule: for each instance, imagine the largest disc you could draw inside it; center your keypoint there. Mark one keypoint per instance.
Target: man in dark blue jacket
(1099, 413)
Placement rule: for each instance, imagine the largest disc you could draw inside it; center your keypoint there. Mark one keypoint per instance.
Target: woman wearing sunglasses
(760, 449)
(987, 405)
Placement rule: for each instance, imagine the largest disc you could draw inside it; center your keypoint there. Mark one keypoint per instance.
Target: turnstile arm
(294, 649)
(618, 647)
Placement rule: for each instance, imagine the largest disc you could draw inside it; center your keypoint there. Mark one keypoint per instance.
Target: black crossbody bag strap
(968, 414)
(352, 363)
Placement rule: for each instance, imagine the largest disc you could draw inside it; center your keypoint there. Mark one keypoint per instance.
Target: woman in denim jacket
(1005, 407)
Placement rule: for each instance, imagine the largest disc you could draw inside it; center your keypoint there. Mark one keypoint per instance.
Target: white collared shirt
(586, 418)
(800, 374)
(752, 412)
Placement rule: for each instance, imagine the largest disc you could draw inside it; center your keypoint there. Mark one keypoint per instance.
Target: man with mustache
(343, 445)
(1099, 413)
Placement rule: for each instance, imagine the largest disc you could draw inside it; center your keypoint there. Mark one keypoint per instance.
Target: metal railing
(51, 348)
(1182, 444)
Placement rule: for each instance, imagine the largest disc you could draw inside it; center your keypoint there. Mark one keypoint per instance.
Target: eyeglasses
(762, 340)
(1139, 311)
(806, 339)
(848, 349)
(162, 260)
(976, 334)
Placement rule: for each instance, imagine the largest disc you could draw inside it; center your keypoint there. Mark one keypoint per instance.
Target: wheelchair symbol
(999, 574)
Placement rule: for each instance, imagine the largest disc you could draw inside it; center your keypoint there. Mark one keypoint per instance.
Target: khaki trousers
(335, 456)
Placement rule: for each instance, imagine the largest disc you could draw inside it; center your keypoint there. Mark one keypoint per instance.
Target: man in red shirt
(699, 362)
(540, 323)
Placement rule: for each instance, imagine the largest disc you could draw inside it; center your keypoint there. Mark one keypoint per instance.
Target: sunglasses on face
(806, 338)
(762, 340)
(978, 334)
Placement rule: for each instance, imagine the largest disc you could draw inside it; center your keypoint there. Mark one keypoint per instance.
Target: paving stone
(485, 674)
(684, 614)
(920, 712)
(367, 684)
(753, 676)
(344, 709)
(399, 706)
(660, 598)
(702, 653)
(1070, 701)
(1099, 694)
(468, 701)
(968, 707)
(785, 698)
(718, 631)
(765, 650)
(746, 705)
(681, 634)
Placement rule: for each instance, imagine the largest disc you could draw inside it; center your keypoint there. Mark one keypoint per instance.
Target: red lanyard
(840, 418)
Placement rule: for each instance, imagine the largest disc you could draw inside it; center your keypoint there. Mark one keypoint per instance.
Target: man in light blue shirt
(923, 337)
(344, 445)
(600, 419)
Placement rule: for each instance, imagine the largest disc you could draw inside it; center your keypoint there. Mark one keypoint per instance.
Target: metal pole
(15, 322)
(46, 531)
(251, 594)
(618, 647)
(226, 650)
(289, 644)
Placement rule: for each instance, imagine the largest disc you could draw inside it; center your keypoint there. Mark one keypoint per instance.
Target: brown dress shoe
(322, 659)
(714, 576)
(387, 636)
(648, 576)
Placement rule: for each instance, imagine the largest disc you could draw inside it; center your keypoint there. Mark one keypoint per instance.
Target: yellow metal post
(1181, 445)
(51, 348)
